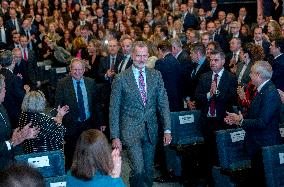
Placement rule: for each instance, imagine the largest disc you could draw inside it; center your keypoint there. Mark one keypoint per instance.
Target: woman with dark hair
(249, 54)
(93, 162)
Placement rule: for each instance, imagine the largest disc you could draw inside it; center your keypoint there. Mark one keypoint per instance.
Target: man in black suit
(189, 20)
(13, 23)
(30, 31)
(217, 37)
(170, 69)
(277, 49)
(4, 36)
(235, 32)
(80, 94)
(82, 20)
(8, 138)
(184, 59)
(259, 40)
(16, 41)
(216, 93)
(171, 73)
(213, 12)
(244, 17)
(233, 57)
(101, 20)
(200, 66)
(28, 65)
(126, 46)
(14, 87)
(262, 120)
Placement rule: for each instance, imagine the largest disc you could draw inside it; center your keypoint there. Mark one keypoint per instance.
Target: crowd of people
(130, 63)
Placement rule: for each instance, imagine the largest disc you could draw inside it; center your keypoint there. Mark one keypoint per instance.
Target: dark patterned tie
(82, 114)
(142, 88)
(212, 108)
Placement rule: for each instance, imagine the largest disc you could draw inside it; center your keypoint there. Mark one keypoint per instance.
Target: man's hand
(27, 88)
(116, 144)
(110, 73)
(213, 88)
(241, 92)
(233, 118)
(116, 158)
(27, 132)
(191, 105)
(167, 138)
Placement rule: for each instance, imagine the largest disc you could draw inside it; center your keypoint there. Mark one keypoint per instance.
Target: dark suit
(246, 75)
(137, 125)
(172, 76)
(122, 63)
(189, 21)
(278, 72)
(6, 156)
(65, 95)
(14, 95)
(192, 79)
(28, 69)
(262, 128)
(224, 101)
(105, 65)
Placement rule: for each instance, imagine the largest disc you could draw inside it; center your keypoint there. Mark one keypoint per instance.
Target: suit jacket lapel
(71, 89)
(149, 82)
(88, 87)
(130, 79)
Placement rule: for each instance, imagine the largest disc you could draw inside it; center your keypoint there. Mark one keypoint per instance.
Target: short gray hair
(176, 42)
(263, 68)
(34, 101)
(140, 44)
(6, 58)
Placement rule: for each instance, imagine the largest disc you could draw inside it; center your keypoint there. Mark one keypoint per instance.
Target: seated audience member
(52, 131)
(93, 163)
(21, 175)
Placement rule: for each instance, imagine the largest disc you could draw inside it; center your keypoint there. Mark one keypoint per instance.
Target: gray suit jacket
(128, 116)
(65, 95)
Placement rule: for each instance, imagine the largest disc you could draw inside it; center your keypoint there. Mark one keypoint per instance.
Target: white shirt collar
(261, 86)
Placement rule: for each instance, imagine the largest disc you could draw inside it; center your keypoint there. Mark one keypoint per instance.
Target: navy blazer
(14, 95)
(262, 121)
(278, 72)
(6, 156)
(190, 21)
(172, 76)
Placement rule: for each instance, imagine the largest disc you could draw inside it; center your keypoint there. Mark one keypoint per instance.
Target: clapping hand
(233, 118)
(213, 88)
(241, 92)
(61, 111)
(27, 132)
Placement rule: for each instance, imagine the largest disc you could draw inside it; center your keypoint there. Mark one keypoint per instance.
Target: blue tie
(81, 107)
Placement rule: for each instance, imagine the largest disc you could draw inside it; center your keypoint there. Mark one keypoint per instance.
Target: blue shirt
(99, 180)
(85, 95)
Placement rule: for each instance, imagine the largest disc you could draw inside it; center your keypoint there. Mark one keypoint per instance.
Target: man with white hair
(262, 120)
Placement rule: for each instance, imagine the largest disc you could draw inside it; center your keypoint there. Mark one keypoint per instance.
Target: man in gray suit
(80, 94)
(138, 94)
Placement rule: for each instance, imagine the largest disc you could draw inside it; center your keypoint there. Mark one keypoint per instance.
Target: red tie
(212, 107)
(25, 55)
